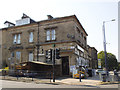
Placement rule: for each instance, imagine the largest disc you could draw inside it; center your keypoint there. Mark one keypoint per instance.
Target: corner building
(28, 41)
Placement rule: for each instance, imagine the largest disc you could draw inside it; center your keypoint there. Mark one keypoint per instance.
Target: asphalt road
(15, 84)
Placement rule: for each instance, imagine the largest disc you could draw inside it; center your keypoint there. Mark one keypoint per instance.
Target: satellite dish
(68, 35)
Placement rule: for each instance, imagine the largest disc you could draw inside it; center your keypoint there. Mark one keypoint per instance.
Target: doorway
(65, 65)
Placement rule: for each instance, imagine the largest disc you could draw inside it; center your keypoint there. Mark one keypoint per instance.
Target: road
(15, 84)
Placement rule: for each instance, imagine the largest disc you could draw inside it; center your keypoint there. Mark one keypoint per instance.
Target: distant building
(93, 55)
(1, 49)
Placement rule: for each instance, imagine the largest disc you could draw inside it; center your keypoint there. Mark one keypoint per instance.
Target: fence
(19, 74)
(111, 77)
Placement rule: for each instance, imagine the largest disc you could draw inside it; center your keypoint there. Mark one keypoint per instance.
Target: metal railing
(19, 74)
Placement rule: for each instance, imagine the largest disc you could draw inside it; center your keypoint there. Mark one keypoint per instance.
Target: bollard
(50, 76)
(104, 77)
(4, 74)
(80, 76)
(17, 77)
(32, 76)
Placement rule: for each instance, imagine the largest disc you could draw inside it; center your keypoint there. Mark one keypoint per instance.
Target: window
(18, 55)
(16, 39)
(85, 40)
(31, 37)
(53, 34)
(30, 56)
(50, 35)
(82, 34)
(12, 54)
(42, 51)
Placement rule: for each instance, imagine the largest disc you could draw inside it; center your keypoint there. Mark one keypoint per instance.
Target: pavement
(91, 81)
(16, 84)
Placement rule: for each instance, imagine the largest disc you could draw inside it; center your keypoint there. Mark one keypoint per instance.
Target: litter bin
(104, 77)
(90, 73)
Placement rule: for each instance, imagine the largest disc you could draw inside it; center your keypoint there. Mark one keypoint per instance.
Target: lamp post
(104, 43)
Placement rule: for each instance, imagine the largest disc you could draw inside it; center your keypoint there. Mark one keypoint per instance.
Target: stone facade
(0, 49)
(70, 38)
(93, 55)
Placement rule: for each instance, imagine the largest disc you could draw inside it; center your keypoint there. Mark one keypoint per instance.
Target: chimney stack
(49, 17)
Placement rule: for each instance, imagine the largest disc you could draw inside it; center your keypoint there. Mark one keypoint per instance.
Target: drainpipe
(38, 43)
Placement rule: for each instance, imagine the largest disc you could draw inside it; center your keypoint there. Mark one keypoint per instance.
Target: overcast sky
(91, 15)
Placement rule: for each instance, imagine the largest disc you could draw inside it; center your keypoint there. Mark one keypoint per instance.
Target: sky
(91, 14)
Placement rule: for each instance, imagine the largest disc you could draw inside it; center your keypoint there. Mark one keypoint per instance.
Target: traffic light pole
(54, 64)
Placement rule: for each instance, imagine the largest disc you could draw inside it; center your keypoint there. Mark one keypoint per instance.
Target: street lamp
(104, 43)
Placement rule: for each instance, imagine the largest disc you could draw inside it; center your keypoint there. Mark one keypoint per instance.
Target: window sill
(30, 42)
(50, 40)
(16, 43)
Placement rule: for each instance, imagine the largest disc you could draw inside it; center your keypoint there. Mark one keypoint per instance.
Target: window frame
(17, 38)
(14, 39)
(51, 36)
(18, 57)
(48, 35)
(31, 37)
(29, 57)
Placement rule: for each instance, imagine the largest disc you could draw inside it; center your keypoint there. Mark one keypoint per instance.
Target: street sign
(99, 63)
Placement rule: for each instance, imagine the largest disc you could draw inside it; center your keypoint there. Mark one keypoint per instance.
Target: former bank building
(29, 41)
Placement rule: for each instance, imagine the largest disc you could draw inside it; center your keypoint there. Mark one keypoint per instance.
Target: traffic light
(57, 53)
(49, 55)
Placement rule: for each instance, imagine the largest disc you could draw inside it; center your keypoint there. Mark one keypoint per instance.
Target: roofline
(94, 48)
(80, 24)
(74, 16)
(9, 22)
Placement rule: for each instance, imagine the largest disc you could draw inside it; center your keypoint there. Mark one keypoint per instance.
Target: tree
(111, 60)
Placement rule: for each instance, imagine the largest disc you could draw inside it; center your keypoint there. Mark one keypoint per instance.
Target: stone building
(22, 41)
(92, 52)
(0, 49)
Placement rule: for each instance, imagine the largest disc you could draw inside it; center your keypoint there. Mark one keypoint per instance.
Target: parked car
(77, 75)
(100, 71)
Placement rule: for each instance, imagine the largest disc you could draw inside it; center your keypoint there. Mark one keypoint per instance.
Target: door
(65, 65)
